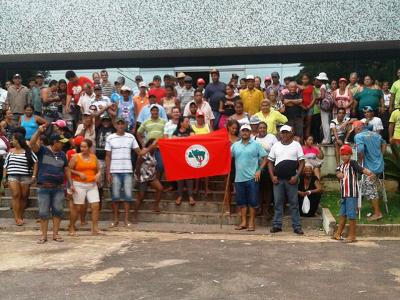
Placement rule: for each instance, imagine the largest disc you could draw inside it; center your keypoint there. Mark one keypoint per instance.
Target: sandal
(178, 201)
(251, 229)
(349, 241)
(114, 224)
(98, 233)
(41, 240)
(58, 239)
(128, 224)
(334, 237)
(74, 234)
(240, 227)
(191, 201)
(375, 218)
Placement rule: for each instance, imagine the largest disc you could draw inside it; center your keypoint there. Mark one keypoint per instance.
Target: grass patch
(331, 200)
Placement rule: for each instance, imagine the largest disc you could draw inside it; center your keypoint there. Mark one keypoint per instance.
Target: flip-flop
(251, 229)
(41, 241)
(74, 234)
(128, 225)
(58, 239)
(98, 233)
(240, 227)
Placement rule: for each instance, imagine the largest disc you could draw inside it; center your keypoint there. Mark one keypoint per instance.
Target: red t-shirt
(159, 93)
(75, 89)
(307, 95)
(70, 153)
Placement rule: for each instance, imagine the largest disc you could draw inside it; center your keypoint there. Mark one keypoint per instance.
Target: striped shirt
(348, 184)
(121, 147)
(17, 164)
(107, 88)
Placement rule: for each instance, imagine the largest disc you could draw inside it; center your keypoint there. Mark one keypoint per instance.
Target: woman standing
(145, 175)
(20, 169)
(342, 98)
(7, 125)
(313, 155)
(85, 173)
(30, 122)
(240, 116)
(369, 95)
(169, 101)
(307, 91)
(227, 105)
(309, 186)
(184, 130)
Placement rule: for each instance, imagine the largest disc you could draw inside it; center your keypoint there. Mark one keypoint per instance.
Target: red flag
(196, 156)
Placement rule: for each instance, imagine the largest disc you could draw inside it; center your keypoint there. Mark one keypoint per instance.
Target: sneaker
(298, 231)
(275, 229)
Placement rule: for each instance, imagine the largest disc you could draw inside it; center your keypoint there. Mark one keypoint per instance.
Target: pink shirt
(310, 152)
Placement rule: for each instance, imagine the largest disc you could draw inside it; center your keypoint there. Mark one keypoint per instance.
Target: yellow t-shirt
(251, 100)
(201, 130)
(272, 119)
(395, 118)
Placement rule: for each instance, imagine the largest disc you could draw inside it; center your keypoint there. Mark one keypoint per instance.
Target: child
(347, 175)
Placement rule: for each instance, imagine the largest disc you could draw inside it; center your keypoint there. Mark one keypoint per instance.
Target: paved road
(145, 265)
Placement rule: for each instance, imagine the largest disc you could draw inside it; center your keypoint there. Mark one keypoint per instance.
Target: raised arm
(35, 139)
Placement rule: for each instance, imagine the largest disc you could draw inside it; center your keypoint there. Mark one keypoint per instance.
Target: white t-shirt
(204, 107)
(267, 141)
(376, 123)
(100, 103)
(3, 96)
(170, 128)
(121, 147)
(85, 101)
(285, 158)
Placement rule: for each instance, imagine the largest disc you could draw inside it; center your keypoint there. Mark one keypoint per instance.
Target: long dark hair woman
(20, 169)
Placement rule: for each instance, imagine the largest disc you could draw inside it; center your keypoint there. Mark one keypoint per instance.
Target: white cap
(142, 84)
(250, 77)
(286, 128)
(126, 88)
(245, 126)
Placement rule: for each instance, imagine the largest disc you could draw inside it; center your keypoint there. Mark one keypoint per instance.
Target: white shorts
(84, 191)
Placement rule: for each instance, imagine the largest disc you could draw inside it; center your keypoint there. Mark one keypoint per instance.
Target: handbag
(305, 208)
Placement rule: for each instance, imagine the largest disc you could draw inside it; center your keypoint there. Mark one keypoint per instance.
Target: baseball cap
(199, 113)
(181, 75)
(138, 78)
(245, 127)
(368, 108)
(200, 81)
(342, 79)
(157, 77)
(60, 123)
(38, 74)
(87, 113)
(274, 74)
(153, 106)
(142, 84)
(120, 80)
(105, 117)
(267, 78)
(254, 120)
(78, 140)
(98, 87)
(188, 79)
(56, 137)
(119, 119)
(345, 149)
(285, 128)
(17, 75)
(126, 88)
(250, 77)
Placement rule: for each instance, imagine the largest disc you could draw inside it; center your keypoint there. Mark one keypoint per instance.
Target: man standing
(282, 167)
(36, 94)
(86, 98)
(119, 169)
(106, 85)
(247, 155)
(181, 84)
(126, 109)
(276, 86)
(141, 99)
(251, 97)
(293, 110)
(17, 97)
(370, 148)
(136, 88)
(395, 92)
(202, 106)
(52, 171)
(215, 92)
(157, 90)
(187, 92)
(102, 104)
(145, 111)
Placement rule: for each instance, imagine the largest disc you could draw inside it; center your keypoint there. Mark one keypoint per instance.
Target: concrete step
(147, 204)
(177, 217)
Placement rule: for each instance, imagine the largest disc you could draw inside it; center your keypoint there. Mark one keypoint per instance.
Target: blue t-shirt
(145, 113)
(51, 166)
(246, 158)
(115, 97)
(126, 111)
(369, 143)
(215, 92)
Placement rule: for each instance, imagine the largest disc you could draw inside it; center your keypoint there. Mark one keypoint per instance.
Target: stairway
(206, 211)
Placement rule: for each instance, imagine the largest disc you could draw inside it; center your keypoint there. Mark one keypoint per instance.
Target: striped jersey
(17, 164)
(348, 184)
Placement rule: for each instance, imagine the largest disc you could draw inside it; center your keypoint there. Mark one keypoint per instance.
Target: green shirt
(395, 118)
(317, 94)
(153, 129)
(368, 97)
(396, 91)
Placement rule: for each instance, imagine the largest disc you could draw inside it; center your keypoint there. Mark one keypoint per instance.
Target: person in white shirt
(202, 106)
(86, 98)
(172, 124)
(119, 168)
(373, 123)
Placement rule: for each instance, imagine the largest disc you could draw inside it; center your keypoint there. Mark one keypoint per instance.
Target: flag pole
(224, 202)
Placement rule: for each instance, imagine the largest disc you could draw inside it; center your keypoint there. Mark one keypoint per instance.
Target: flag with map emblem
(196, 156)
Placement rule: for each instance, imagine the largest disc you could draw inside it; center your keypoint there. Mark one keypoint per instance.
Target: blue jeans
(282, 189)
(121, 187)
(50, 198)
(348, 207)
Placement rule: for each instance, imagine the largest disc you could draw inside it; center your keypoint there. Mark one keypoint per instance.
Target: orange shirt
(139, 102)
(87, 167)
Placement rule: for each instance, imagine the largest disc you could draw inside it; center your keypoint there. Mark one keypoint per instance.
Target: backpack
(326, 104)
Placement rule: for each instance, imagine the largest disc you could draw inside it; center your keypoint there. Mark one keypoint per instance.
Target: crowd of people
(75, 137)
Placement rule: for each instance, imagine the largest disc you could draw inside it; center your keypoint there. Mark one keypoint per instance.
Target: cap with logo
(285, 128)
(56, 137)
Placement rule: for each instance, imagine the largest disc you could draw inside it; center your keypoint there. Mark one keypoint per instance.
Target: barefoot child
(347, 175)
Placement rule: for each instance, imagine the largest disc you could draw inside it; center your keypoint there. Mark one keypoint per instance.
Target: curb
(328, 221)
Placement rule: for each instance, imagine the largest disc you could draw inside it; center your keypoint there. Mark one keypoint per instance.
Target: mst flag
(196, 156)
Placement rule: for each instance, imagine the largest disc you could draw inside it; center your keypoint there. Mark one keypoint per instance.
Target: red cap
(267, 78)
(342, 79)
(200, 81)
(346, 149)
(199, 113)
(78, 140)
(358, 124)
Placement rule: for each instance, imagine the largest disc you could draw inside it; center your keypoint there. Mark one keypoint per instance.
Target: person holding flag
(247, 155)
